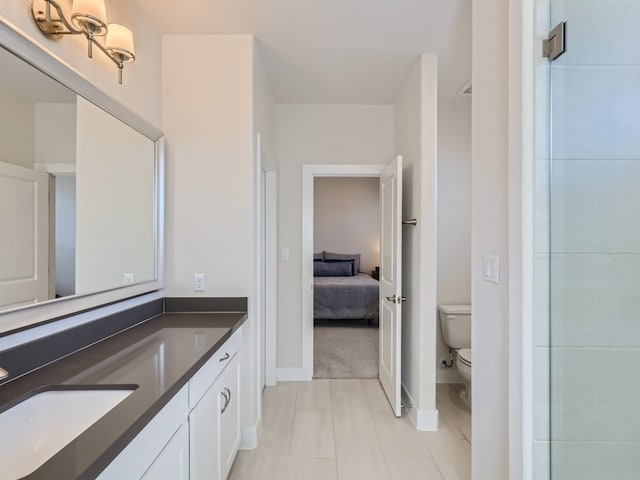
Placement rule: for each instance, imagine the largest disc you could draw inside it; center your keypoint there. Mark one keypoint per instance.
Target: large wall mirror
(79, 194)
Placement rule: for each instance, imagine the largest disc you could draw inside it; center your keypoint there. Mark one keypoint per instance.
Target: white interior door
(391, 282)
(24, 236)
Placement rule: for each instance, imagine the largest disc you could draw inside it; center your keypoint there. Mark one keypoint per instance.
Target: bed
(342, 292)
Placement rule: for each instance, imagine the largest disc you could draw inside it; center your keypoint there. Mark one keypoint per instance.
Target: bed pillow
(333, 269)
(340, 257)
(317, 257)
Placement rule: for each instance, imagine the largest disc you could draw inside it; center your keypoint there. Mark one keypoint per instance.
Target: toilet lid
(464, 354)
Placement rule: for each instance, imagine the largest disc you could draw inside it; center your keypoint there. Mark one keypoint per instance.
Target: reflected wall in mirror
(77, 193)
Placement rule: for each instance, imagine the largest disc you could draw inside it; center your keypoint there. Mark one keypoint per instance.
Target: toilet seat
(464, 356)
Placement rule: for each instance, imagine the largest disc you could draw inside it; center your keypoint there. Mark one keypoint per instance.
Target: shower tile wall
(595, 243)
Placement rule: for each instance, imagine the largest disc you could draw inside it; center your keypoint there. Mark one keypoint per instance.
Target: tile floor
(344, 430)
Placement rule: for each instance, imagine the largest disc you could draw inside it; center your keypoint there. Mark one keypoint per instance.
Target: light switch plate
(284, 254)
(491, 269)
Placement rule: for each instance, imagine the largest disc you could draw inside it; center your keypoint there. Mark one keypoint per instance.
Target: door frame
(309, 172)
(271, 277)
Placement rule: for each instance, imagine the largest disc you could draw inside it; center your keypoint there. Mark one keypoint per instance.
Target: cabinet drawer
(208, 373)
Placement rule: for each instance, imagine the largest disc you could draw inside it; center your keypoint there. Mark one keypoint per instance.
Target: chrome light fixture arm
(55, 26)
(51, 27)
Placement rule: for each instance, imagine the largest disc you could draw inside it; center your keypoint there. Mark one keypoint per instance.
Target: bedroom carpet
(349, 350)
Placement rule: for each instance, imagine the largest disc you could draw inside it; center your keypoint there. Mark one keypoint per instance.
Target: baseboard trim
(292, 374)
(250, 435)
(423, 420)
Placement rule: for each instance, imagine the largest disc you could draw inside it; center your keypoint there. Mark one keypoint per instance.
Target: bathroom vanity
(105, 378)
(179, 421)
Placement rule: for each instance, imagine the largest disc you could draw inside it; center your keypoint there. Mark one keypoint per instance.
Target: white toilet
(455, 321)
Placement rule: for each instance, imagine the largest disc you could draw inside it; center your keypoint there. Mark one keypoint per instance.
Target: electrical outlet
(128, 278)
(198, 282)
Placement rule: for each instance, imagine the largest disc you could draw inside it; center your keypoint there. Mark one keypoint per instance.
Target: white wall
(347, 218)
(316, 134)
(17, 130)
(115, 187)
(454, 214)
(208, 116)
(416, 140)
(264, 115)
(489, 234)
(55, 133)
(140, 91)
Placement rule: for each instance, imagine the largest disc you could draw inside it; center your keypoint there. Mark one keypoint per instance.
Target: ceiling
(335, 51)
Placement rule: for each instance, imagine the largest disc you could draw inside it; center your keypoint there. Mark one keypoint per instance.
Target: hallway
(345, 430)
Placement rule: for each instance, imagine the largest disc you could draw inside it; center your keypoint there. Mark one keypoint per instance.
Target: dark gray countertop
(159, 356)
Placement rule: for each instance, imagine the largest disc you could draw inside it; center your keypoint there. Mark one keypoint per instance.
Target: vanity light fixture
(88, 18)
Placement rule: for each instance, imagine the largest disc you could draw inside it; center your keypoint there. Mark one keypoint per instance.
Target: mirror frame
(22, 318)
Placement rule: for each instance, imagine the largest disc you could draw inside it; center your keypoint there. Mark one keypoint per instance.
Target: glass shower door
(594, 243)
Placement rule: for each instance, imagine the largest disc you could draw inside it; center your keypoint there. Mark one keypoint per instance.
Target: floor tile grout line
(356, 391)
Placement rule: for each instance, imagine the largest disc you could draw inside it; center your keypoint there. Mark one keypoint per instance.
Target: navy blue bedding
(332, 269)
(350, 297)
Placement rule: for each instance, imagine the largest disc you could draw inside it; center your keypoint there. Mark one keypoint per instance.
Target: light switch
(491, 268)
(284, 254)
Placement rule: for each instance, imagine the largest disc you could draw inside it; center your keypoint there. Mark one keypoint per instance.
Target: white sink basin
(36, 429)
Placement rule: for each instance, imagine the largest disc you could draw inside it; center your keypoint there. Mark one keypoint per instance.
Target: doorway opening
(64, 216)
(346, 241)
(390, 279)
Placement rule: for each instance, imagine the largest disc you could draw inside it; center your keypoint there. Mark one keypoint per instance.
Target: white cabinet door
(230, 417)
(204, 433)
(173, 461)
(214, 427)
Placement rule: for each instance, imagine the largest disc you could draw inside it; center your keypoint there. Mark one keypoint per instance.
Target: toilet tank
(455, 321)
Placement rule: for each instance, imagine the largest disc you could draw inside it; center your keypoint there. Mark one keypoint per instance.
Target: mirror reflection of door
(24, 246)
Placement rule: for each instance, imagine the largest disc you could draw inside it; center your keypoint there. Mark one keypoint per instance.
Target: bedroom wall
(347, 218)
(454, 215)
(316, 134)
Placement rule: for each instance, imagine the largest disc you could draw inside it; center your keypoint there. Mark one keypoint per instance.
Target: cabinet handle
(227, 399)
(229, 392)
(226, 357)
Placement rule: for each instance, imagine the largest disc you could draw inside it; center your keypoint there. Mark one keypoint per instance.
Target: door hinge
(555, 44)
